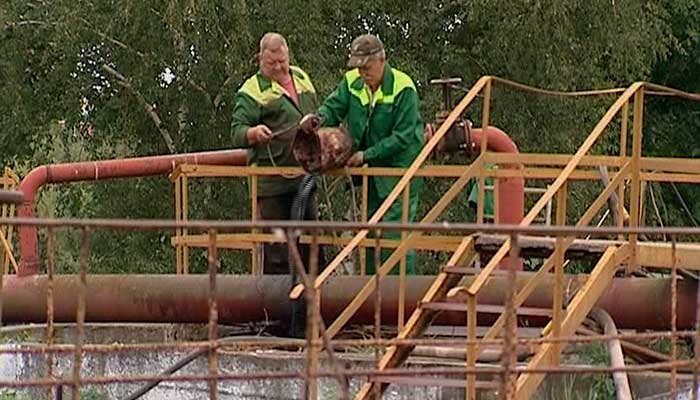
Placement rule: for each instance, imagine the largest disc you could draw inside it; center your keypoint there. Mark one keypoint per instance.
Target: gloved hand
(310, 123)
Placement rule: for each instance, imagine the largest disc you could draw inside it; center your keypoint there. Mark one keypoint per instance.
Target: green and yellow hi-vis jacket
(263, 101)
(386, 126)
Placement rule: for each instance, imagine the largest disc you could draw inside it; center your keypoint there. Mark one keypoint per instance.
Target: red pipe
(100, 170)
(634, 303)
(511, 191)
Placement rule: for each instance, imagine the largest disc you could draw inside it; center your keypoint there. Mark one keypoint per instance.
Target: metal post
(363, 214)
(496, 200)
(49, 305)
(185, 232)
(178, 218)
(482, 168)
(510, 334)
(377, 308)
(636, 175)
(557, 312)
(213, 316)
(402, 265)
(674, 319)
(471, 347)
(255, 268)
(80, 317)
(696, 345)
(4, 214)
(314, 316)
(623, 155)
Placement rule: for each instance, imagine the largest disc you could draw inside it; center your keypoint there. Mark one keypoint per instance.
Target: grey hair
(380, 55)
(272, 40)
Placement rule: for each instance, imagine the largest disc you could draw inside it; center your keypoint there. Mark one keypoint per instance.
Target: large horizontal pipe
(100, 170)
(634, 303)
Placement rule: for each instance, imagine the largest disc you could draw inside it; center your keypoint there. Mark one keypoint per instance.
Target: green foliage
(78, 77)
(664, 346)
(601, 387)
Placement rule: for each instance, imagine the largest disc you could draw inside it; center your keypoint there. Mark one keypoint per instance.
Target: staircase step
(486, 308)
(453, 331)
(432, 381)
(451, 269)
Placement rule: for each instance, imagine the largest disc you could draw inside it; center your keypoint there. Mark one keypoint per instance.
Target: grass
(599, 386)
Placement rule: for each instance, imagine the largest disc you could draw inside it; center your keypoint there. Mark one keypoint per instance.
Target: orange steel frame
(9, 181)
(560, 169)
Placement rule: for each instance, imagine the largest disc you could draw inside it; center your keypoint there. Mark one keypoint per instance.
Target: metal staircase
(566, 315)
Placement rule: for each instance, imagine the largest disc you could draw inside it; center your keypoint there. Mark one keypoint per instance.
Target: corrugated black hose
(300, 204)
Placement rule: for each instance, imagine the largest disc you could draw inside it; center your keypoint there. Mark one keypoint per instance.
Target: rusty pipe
(10, 197)
(100, 170)
(617, 359)
(511, 191)
(634, 303)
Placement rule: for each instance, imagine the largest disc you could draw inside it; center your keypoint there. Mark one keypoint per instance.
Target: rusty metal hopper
(323, 150)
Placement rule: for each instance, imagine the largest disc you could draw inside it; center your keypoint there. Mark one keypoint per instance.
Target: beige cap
(364, 49)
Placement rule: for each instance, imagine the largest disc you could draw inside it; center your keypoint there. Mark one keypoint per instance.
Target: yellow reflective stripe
(302, 85)
(386, 99)
(361, 94)
(401, 81)
(252, 89)
(352, 75)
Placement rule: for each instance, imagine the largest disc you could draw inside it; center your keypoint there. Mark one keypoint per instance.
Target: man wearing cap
(380, 105)
(268, 108)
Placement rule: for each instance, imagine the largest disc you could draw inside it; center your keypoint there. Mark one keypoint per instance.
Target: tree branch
(110, 39)
(219, 97)
(150, 110)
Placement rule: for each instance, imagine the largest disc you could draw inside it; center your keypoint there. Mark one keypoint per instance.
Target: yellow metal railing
(556, 169)
(183, 173)
(9, 182)
(630, 167)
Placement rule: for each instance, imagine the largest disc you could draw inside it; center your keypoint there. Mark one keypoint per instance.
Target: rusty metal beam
(11, 197)
(641, 303)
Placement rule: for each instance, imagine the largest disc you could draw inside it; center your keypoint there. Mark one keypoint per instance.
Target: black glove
(310, 123)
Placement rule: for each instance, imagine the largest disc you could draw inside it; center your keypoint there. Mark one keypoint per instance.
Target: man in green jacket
(268, 108)
(380, 105)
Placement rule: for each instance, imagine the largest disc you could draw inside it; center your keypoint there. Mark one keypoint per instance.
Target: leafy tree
(86, 80)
